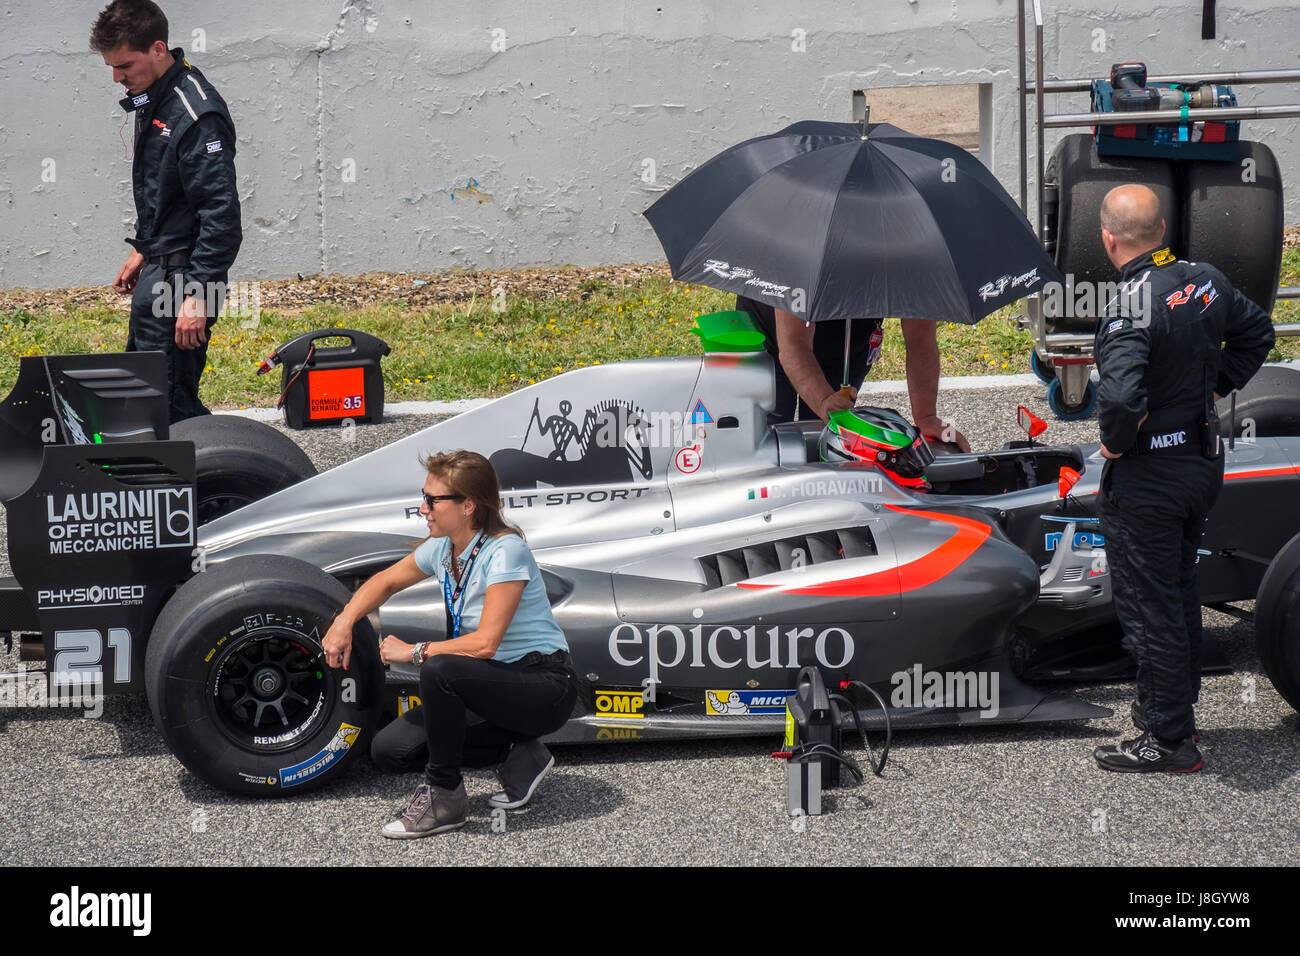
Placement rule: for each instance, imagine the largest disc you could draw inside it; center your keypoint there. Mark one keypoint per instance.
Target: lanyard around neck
(456, 599)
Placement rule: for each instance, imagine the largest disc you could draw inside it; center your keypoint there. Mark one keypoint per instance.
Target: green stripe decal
(845, 420)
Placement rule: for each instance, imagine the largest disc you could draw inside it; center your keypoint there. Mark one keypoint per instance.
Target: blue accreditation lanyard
(456, 600)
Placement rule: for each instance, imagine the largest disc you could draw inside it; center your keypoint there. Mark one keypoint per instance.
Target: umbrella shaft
(848, 328)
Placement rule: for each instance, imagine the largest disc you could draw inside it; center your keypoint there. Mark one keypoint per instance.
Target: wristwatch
(417, 654)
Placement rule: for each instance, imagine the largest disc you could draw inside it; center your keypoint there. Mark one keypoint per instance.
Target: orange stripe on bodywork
(927, 569)
(1262, 473)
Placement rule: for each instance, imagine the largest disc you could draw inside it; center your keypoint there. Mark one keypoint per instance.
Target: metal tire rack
(1071, 353)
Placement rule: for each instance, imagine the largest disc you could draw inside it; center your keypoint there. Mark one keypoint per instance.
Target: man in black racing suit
(1175, 338)
(187, 230)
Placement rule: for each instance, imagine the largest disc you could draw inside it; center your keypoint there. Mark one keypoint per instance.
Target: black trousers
(470, 712)
(1153, 511)
(154, 307)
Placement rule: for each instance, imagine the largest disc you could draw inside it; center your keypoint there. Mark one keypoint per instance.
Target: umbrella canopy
(826, 223)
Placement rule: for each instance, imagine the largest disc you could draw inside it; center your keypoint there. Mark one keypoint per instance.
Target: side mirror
(1030, 424)
(1065, 480)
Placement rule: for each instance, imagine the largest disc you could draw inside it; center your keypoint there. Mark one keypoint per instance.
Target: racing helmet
(880, 436)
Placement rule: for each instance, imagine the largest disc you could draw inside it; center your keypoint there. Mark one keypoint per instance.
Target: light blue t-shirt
(506, 558)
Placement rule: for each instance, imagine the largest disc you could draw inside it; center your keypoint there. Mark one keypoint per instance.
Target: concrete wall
(552, 108)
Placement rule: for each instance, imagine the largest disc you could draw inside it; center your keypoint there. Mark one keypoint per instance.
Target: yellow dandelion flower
(532, 381)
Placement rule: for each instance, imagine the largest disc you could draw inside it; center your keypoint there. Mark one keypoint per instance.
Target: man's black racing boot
(1140, 722)
(1147, 754)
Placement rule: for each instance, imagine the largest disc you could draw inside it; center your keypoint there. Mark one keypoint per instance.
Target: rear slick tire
(1267, 405)
(238, 461)
(238, 687)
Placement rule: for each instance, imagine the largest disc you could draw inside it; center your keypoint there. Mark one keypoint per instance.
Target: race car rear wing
(100, 512)
(79, 400)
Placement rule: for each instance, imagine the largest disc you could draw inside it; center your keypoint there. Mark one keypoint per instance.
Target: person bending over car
(808, 356)
(502, 678)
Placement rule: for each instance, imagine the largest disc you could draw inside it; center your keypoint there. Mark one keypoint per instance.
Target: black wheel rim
(269, 692)
(214, 506)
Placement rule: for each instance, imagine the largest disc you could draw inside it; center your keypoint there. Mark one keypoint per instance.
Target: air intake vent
(751, 561)
(138, 472)
(111, 382)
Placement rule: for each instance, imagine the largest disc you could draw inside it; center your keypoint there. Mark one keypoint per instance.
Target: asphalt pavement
(106, 791)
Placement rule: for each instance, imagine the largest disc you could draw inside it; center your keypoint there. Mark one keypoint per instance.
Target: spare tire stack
(1083, 179)
(1227, 213)
(1232, 216)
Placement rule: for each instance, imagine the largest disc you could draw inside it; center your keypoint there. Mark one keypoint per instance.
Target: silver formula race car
(695, 557)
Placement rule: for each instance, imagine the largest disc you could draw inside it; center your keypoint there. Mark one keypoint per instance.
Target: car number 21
(82, 651)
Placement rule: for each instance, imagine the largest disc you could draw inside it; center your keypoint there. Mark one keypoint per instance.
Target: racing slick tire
(1277, 622)
(1267, 405)
(235, 676)
(1083, 180)
(1232, 214)
(238, 461)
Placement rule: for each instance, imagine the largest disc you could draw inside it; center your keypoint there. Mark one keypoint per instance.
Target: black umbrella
(825, 222)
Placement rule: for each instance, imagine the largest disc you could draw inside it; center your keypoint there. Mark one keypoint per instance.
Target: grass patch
(468, 349)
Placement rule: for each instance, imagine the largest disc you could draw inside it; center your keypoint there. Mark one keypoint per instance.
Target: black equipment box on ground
(324, 385)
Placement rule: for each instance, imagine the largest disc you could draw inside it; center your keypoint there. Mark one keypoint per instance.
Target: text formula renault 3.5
(695, 557)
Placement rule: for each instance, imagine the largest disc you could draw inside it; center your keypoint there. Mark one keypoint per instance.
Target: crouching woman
(502, 678)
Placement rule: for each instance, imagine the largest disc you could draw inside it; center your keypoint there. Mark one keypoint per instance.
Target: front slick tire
(237, 683)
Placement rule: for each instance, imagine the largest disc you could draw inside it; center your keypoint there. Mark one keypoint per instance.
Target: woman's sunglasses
(432, 500)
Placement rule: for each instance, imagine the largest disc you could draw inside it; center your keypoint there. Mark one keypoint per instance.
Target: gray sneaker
(431, 810)
(524, 767)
